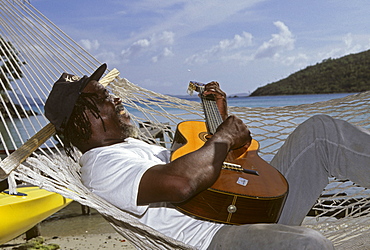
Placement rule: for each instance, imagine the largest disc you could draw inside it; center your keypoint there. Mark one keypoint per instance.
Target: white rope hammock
(341, 212)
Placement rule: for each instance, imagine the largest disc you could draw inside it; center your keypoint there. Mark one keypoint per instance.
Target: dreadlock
(78, 128)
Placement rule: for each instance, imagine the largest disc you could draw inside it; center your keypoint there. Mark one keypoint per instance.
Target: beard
(127, 129)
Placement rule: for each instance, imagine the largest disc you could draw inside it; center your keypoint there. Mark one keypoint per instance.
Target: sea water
(26, 128)
(277, 101)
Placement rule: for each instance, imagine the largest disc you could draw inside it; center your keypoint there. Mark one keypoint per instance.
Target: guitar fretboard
(212, 114)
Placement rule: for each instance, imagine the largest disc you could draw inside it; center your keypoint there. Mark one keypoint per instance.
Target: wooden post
(33, 232)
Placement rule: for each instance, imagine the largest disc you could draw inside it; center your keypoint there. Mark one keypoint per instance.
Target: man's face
(117, 124)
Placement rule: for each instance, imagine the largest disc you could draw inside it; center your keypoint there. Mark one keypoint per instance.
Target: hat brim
(98, 73)
(94, 76)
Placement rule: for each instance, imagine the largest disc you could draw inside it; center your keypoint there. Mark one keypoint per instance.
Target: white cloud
(350, 46)
(196, 59)
(135, 48)
(239, 41)
(108, 56)
(167, 52)
(222, 49)
(235, 49)
(156, 44)
(90, 45)
(346, 44)
(282, 41)
(298, 60)
(186, 17)
(348, 40)
(166, 37)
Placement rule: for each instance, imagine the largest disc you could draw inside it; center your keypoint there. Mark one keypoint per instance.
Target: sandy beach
(70, 229)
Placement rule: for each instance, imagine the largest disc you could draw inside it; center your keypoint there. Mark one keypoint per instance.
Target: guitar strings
(212, 114)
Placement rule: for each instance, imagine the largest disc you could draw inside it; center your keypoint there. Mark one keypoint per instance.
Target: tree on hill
(343, 75)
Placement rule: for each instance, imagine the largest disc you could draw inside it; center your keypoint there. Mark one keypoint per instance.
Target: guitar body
(236, 197)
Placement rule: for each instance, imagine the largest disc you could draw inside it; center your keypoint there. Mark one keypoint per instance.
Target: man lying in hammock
(140, 179)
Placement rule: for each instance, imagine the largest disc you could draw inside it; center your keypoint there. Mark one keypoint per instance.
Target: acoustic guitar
(248, 190)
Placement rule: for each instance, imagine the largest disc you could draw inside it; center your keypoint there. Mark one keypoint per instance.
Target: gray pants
(319, 148)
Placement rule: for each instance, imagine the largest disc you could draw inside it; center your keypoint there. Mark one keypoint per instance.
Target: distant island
(347, 74)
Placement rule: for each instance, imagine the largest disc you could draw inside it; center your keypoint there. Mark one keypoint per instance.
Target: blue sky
(162, 45)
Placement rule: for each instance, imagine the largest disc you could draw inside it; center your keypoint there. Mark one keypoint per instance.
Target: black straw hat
(64, 95)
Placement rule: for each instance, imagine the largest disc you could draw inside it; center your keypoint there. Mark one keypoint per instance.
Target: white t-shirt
(114, 173)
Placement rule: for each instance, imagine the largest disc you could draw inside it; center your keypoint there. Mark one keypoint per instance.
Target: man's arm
(190, 174)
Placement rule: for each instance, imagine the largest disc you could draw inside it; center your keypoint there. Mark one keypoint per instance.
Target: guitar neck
(211, 112)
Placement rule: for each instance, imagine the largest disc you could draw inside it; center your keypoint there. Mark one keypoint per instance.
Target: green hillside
(350, 73)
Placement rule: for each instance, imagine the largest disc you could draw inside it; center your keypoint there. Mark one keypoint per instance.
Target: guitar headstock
(197, 86)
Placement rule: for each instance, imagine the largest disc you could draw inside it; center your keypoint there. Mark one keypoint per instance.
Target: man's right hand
(234, 130)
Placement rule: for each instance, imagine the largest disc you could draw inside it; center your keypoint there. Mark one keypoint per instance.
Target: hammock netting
(34, 52)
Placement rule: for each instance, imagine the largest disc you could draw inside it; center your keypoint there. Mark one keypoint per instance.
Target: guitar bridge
(238, 168)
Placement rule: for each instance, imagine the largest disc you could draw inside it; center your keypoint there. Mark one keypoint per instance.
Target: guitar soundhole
(204, 136)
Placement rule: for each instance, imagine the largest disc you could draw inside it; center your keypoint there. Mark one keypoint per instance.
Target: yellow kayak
(19, 213)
